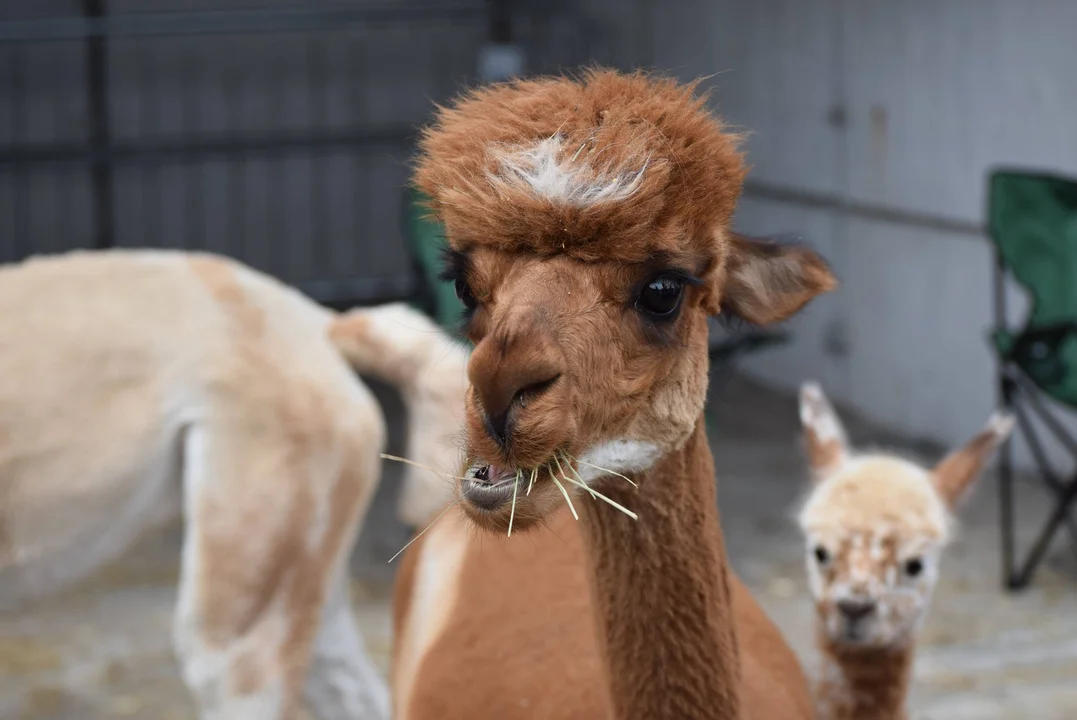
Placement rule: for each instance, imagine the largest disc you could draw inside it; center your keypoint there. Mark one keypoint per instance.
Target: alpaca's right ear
(824, 434)
(766, 282)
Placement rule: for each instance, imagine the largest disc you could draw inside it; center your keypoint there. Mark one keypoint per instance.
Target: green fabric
(1033, 223)
(425, 242)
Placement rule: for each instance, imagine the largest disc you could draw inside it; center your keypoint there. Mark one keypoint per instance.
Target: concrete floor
(102, 649)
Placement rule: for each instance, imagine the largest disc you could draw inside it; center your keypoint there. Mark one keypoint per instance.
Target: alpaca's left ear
(958, 470)
(766, 282)
(824, 435)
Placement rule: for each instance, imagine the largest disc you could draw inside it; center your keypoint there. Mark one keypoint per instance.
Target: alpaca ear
(958, 470)
(767, 282)
(824, 435)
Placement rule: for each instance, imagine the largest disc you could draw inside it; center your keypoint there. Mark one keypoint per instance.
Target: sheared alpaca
(875, 526)
(589, 227)
(136, 386)
(406, 349)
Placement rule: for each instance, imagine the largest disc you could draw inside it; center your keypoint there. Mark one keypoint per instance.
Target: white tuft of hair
(544, 170)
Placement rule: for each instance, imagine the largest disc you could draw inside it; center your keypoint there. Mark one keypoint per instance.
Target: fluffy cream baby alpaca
(875, 526)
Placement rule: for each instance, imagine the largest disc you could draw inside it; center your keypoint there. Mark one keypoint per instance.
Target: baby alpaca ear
(824, 434)
(958, 470)
(766, 282)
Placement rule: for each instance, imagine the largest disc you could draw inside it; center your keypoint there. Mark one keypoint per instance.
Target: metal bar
(1032, 392)
(823, 201)
(236, 221)
(317, 80)
(1040, 456)
(20, 244)
(1039, 548)
(293, 19)
(194, 172)
(159, 149)
(1007, 390)
(150, 127)
(278, 210)
(101, 168)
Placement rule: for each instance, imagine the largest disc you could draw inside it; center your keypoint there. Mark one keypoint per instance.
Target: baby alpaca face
(876, 525)
(874, 535)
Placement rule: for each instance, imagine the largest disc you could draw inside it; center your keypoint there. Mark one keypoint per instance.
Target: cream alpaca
(138, 386)
(406, 349)
(875, 526)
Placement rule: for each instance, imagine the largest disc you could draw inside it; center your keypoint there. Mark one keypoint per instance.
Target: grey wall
(905, 106)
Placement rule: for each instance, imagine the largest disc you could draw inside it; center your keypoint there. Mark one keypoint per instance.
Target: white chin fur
(621, 456)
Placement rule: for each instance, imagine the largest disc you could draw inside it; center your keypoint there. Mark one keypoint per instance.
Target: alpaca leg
(343, 683)
(255, 572)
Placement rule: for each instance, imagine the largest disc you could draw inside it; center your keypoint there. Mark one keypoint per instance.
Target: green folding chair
(425, 241)
(1032, 221)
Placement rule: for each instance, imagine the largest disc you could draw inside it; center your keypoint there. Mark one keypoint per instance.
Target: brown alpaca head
(875, 526)
(588, 223)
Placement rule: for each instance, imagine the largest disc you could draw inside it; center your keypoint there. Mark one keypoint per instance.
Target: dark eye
(464, 293)
(914, 567)
(821, 555)
(661, 297)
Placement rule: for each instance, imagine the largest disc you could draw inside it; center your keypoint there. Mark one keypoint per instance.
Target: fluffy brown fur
(563, 200)
(610, 125)
(864, 683)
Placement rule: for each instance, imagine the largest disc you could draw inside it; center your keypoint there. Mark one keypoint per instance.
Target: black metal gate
(276, 135)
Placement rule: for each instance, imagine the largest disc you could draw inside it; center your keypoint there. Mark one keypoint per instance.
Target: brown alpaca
(589, 229)
(875, 527)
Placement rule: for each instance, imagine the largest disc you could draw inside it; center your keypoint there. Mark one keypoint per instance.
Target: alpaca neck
(863, 683)
(661, 594)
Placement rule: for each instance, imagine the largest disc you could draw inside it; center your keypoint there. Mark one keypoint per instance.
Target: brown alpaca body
(588, 228)
(534, 589)
(869, 683)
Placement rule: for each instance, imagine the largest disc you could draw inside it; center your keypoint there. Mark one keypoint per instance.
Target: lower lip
(486, 495)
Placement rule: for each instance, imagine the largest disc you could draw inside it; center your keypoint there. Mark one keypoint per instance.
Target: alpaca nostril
(497, 423)
(497, 426)
(856, 609)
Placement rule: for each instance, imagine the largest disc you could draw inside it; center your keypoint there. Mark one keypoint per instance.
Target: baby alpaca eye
(821, 555)
(914, 567)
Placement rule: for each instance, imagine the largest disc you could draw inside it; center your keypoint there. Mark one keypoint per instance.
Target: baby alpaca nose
(507, 376)
(856, 609)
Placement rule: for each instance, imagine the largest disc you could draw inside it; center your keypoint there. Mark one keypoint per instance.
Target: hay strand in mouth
(566, 478)
(600, 496)
(565, 493)
(421, 532)
(608, 472)
(595, 493)
(512, 513)
(534, 474)
(395, 458)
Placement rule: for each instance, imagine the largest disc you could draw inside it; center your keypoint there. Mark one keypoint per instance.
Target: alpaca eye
(914, 567)
(661, 297)
(464, 293)
(821, 555)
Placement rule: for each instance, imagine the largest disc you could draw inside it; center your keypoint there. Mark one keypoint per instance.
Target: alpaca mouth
(489, 487)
